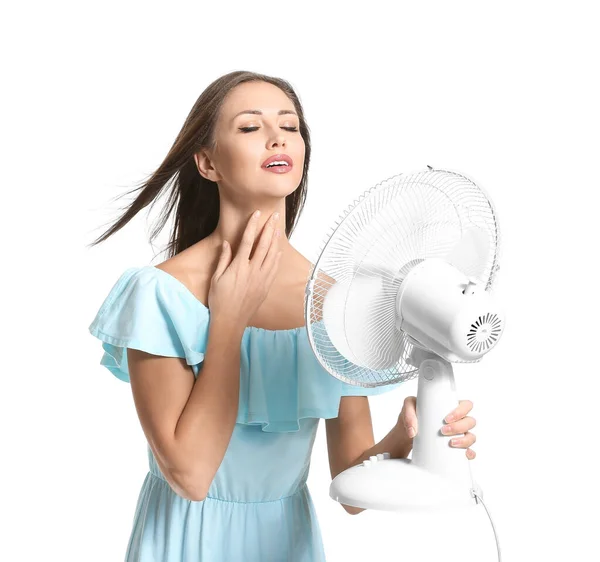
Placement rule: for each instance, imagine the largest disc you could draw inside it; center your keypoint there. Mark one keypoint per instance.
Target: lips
(280, 158)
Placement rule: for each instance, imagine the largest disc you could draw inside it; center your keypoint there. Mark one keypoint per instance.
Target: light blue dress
(258, 507)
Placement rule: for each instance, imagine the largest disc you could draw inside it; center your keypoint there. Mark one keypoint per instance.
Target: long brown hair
(197, 198)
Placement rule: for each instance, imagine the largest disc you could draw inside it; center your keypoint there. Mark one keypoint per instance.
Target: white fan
(402, 288)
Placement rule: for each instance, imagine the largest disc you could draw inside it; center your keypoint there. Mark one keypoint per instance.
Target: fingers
(464, 407)
(272, 261)
(410, 415)
(460, 426)
(248, 238)
(267, 240)
(463, 442)
(224, 259)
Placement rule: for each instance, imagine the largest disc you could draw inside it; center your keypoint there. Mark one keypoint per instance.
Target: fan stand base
(437, 477)
(398, 485)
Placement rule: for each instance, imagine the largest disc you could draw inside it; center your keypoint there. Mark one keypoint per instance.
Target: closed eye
(250, 129)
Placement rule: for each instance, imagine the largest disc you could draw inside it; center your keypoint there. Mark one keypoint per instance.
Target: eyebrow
(259, 112)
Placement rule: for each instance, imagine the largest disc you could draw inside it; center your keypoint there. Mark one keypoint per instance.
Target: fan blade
(360, 319)
(470, 254)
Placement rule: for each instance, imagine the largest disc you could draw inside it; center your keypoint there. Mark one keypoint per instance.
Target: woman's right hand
(239, 286)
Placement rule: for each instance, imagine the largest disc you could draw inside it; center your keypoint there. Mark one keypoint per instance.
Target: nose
(277, 140)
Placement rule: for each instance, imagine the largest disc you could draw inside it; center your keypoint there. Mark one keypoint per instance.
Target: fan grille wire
(382, 235)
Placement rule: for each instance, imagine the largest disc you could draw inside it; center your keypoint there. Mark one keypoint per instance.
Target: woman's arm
(350, 439)
(188, 423)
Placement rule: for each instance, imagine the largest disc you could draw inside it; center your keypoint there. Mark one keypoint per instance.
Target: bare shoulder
(193, 268)
(321, 285)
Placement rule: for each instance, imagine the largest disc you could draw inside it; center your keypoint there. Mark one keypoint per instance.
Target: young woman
(213, 343)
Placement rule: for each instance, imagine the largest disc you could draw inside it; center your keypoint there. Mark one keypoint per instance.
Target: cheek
(238, 161)
(299, 168)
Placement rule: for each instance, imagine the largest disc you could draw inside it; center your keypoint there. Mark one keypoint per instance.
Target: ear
(205, 166)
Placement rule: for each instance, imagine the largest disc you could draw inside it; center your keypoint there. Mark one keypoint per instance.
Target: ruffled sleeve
(281, 380)
(142, 312)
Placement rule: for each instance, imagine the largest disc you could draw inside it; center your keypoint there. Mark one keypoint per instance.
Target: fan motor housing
(447, 312)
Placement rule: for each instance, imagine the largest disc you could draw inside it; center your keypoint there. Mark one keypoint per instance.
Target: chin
(288, 184)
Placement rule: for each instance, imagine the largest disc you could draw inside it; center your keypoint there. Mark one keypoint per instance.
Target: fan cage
(398, 222)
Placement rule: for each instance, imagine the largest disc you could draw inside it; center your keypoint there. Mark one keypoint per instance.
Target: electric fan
(401, 289)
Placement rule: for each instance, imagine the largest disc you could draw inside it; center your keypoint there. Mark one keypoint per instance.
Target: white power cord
(478, 495)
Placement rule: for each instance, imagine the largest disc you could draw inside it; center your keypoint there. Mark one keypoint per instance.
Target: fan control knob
(379, 456)
(366, 464)
(471, 287)
(387, 456)
(373, 459)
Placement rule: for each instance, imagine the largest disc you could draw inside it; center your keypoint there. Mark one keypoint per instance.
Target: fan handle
(436, 397)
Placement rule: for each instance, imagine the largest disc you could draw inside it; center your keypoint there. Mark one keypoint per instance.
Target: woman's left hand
(457, 423)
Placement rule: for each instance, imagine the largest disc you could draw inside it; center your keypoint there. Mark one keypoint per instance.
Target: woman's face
(244, 141)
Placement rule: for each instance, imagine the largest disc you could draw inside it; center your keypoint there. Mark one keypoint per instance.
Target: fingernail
(446, 429)
(411, 432)
(454, 442)
(257, 214)
(449, 418)
(275, 216)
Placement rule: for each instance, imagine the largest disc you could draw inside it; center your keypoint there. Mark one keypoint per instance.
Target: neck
(233, 222)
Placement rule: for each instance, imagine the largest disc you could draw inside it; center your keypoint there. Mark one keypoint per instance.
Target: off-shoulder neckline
(178, 283)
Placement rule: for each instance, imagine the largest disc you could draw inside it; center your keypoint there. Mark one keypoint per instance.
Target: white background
(505, 93)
